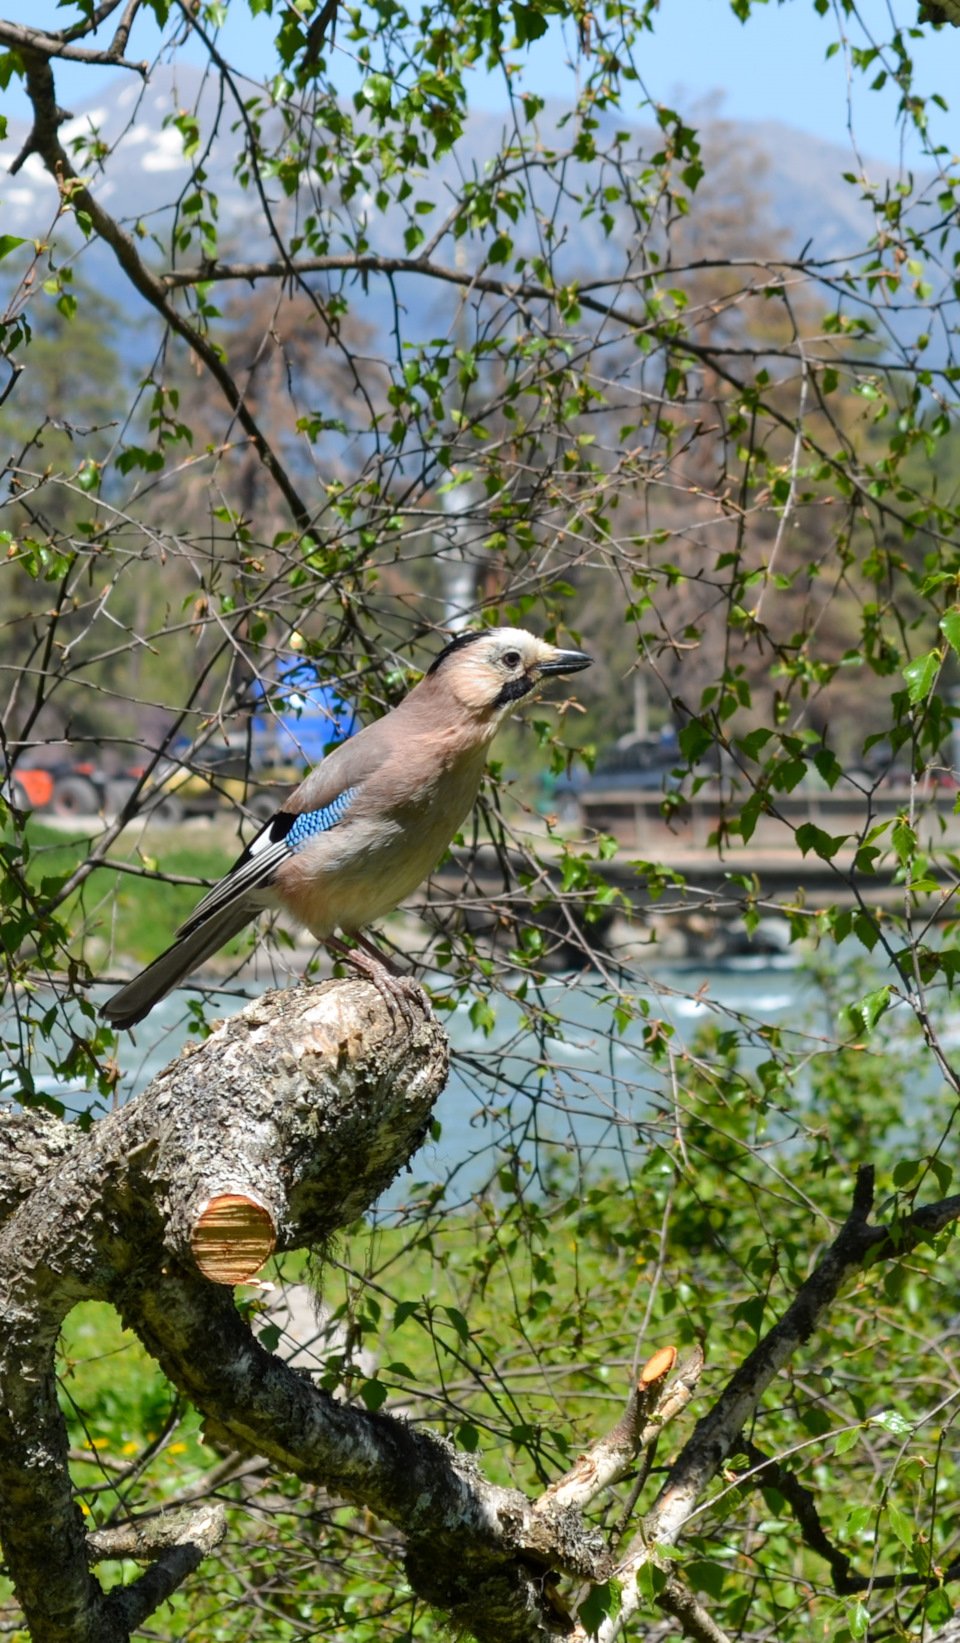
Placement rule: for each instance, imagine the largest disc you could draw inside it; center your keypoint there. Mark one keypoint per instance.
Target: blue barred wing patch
(312, 822)
(256, 869)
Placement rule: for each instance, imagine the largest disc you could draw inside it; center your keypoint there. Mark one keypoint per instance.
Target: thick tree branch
(313, 1099)
(27, 40)
(154, 1533)
(767, 1472)
(174, 1544)
(31, 1142)
(45, 141)
(118, 44)
(635, 322)
(717, 1435)
(609, 1458)
(308, 1102)
(694, 1621)
(588, 294)
(477, 1550)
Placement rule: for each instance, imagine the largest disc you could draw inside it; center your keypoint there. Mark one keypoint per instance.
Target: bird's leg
(395, 989)
(373, 951)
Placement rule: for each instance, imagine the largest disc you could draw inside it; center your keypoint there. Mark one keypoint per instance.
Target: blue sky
(773, 67)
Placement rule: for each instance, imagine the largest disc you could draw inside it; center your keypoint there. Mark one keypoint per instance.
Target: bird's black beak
(565, 661)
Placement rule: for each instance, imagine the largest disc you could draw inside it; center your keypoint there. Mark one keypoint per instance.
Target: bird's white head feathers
(487, 672)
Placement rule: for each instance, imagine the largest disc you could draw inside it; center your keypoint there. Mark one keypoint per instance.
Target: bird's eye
(511, 659)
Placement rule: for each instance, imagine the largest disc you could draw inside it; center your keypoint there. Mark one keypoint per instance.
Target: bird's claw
(398, 992)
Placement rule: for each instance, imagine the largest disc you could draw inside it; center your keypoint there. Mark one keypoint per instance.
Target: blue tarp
(306, 716)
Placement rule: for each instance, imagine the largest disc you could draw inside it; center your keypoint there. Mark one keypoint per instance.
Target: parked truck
(292, 721)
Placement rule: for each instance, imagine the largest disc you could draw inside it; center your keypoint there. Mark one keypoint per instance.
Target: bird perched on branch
(372, 819)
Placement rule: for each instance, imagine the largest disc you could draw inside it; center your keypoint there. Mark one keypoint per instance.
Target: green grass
(134, 915)
(118, 1405)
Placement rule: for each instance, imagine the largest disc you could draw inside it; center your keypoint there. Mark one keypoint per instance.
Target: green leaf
(920, 675)
(482, 1015)
(903, 838)
(459, 1323)
(942, 1173)
(468, 1437)
(950, 628)
(750, 814)
(650, 1581)
(857, 1519)
(751, 1313)
(825, 845)
(870, 1008)
(828, 766)
(754, 742)
(901, 1525)
(377, 90)
(707, 1576)
(845, 1441)
(601, 1603)
(788, 775)
(374, 1394)
(694, 739)
(136, 457)
(529, 23)
(8, 243)
(937, 1608)
(905, 1171)
(892, 1421)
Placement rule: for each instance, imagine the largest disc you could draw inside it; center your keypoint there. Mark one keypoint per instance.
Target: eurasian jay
(372, 819)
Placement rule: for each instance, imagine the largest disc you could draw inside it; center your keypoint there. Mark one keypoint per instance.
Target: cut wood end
(232, 1237)
(656, 1367)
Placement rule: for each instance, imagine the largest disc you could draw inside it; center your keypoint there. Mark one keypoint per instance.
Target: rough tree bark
(302, 1109)
(306, 1105)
